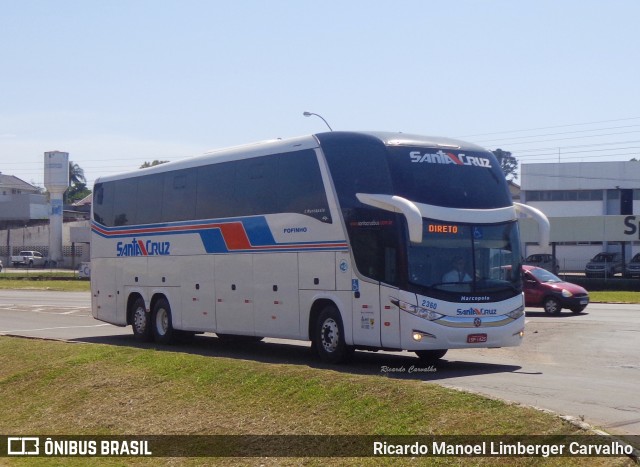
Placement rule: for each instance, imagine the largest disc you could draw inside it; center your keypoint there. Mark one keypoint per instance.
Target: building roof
(12, 182)
(84, 201)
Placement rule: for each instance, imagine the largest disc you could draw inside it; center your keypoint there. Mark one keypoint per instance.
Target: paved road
(586, 365)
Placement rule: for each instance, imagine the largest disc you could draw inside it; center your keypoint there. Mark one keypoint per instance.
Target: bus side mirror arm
(543, 223)
(397, 204)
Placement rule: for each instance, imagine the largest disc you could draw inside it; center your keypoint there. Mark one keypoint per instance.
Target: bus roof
(263, 148)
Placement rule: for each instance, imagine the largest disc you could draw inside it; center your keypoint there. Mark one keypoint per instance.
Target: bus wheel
(141, 321)
(329, 337)
(162, 327)
(431, 357)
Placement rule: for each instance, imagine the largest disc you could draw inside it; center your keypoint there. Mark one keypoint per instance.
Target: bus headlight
(420, 312)
(517, 313)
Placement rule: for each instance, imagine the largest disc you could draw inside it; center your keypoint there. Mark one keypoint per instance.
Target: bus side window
(179, 195)
(103, 205)
(300, 187)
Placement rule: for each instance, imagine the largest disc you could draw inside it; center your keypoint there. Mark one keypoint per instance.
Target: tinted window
(215, 191)
(179, 195)
(300, 187)
(124, 206)
(457, 179)
(357, 167)
(103, 203)
(149, 199)
(255, 186)
(288, 182)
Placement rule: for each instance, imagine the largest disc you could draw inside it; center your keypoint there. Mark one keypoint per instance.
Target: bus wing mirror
(397, 204)
(543, 223)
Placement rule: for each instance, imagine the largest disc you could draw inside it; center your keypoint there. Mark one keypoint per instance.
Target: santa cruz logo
(476, 312)
(141, 248)
(442, 157)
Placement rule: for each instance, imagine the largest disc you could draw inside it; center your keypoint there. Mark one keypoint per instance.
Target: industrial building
(592, 207)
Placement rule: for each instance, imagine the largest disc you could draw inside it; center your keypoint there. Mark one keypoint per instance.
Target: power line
(552, 127)
(575, 137)
(561, 133)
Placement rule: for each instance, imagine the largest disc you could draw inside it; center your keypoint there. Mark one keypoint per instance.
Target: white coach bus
(348, 240)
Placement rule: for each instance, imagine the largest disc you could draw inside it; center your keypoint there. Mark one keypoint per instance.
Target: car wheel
(162, 328)
(552, 306)
(577, 309)
(431, 357)
(329, 337)
(141, 321)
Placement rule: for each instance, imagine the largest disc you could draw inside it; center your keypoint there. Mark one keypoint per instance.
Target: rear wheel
(141, 321)
(163, 332)
(431, 357)
(552, 306)
(329, 337)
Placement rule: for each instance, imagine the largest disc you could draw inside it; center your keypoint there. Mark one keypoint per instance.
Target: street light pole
(309, 114)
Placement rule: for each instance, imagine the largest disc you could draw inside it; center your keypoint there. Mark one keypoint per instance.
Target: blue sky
(116, 83)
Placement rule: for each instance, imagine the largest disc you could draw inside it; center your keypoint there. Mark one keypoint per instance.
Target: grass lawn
(97, 389)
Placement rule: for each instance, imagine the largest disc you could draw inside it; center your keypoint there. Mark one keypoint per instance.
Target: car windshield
(544, 276)
(462, 258)
(602, 258)
(636, 258)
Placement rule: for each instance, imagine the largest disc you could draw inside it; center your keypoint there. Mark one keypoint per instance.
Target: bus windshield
(451, 178)
(464, 258)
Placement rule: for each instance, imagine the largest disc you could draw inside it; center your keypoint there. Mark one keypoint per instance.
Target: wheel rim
(140, 319)
(162, 321)
(330, 336)
(551, 306)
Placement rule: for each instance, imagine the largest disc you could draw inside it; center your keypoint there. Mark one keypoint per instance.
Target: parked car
(633, 267)
(546, 290)
(544, 261)
(604, 265)
(30, 259)
(1, 266)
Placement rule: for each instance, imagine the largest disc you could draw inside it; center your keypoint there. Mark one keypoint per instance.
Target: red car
(546, 290)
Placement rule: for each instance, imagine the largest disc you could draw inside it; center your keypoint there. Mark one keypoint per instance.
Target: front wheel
(552, 306)
(329, 337)
(431, 357)
(163, 332)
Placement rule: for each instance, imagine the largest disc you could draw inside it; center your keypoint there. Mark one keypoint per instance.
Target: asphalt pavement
(585, 366)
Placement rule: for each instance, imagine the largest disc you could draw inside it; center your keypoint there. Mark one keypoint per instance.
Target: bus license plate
(476, 338)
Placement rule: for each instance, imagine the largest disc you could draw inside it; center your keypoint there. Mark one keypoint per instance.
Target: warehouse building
(592, 207)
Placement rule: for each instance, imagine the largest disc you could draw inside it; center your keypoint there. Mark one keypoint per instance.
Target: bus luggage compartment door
(234, 294)
(276, 309)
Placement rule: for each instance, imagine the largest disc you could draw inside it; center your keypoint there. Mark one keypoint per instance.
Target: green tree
(77, 184)
(508, 163)
(76, 174)
(151, 164)
(77, 192)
